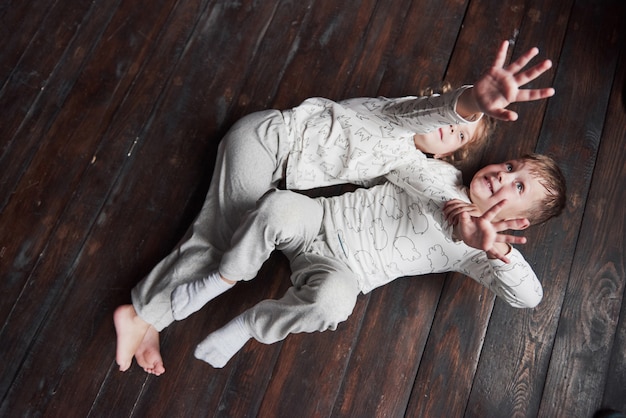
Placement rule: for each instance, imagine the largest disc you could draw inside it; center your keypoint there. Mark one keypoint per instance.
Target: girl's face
(444, 141)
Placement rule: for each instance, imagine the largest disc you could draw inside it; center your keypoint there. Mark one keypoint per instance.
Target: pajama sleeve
(423, 114)
(515, 282)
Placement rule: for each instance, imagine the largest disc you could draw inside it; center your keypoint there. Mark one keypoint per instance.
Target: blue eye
(520, 187)
(462, 136)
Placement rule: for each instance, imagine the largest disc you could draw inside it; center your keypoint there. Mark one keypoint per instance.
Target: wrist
(503, 248)
(467, 106)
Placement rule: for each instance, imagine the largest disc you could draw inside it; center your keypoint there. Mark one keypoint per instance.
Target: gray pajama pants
(324, 290)
(250, 161)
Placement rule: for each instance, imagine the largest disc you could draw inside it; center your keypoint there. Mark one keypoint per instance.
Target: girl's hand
(500, 86)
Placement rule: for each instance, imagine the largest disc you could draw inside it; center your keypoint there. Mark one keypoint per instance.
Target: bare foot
(148, 354)
(130, 330)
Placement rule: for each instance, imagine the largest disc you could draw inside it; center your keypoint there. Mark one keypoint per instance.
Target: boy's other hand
(481, 231)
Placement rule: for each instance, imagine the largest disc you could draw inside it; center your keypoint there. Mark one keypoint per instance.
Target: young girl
(319, 143)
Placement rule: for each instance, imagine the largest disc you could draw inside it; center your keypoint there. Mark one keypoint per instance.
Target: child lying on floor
(341, 246)
(316, 144)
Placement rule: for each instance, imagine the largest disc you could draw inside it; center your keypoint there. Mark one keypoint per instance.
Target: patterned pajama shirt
(318, 143)
(356, 242)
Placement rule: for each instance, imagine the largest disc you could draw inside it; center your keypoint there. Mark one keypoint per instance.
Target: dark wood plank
(31, 214)
(613, 130)
(389, 347)
(381, 326)
(23, 95)
(281, 40)
(447, 368)
(421, 55)
(103, 170)
(316, 68)
(62, 236)
(320, 359)
(19, 23)
(454, 348)
(591, 307)
(513, 384)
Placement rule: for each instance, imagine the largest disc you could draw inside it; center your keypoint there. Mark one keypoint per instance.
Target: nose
(503, 176)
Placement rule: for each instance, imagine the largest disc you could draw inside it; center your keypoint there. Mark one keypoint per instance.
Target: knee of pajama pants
(320, 304)
(333, 301)
(294, 213)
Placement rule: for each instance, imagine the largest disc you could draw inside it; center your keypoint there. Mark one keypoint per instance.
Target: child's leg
(249, 162)
(190, 297)
(323, 295)
(283, 220)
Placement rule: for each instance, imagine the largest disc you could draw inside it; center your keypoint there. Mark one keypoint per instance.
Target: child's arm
(490, 95)
(516, 283)
(501, 268)
(425, 113)
(480, 231)
(500, 86)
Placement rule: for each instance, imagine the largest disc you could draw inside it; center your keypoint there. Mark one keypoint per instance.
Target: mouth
(440, 134)
(489, 184)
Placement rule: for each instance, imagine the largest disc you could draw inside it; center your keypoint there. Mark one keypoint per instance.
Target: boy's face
(446, 140)
(512, 181)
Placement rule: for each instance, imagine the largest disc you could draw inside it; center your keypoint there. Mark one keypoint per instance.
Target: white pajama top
(398, 229)
(358, 140)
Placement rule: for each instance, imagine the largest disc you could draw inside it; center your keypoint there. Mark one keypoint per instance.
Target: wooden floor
(111, 112)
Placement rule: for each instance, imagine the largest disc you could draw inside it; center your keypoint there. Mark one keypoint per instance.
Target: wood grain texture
(111, 116)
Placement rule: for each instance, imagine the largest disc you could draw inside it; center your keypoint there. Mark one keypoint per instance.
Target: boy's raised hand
(500, 86)
(481, 231)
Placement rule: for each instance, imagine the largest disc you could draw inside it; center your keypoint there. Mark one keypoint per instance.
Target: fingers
(498, 255)
(532, 73)
(504, 115)
(452, 208)
(510, 239)
(452, 216)
(450, 203)
(534, 94)
(521, 62)
(455, 207)
(514, 224)
(501, 55)
(493, 211)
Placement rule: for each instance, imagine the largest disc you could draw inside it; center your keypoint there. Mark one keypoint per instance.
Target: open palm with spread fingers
(484, 232)
(500, 85)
